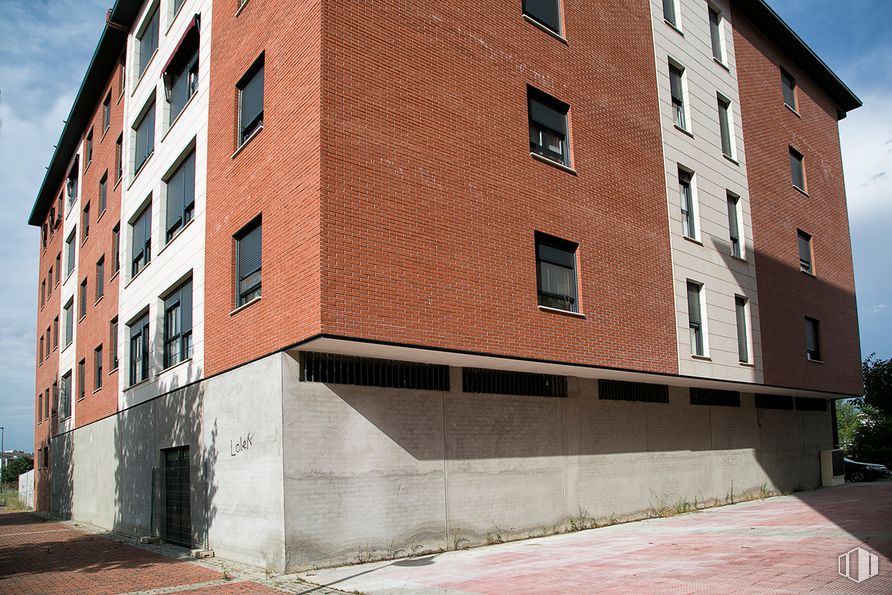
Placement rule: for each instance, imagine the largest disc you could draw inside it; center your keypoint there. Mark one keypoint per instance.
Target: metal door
(177, 513)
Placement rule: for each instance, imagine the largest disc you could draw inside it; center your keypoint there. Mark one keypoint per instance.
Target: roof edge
(788, 41)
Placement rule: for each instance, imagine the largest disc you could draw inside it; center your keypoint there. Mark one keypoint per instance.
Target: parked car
(856, 471)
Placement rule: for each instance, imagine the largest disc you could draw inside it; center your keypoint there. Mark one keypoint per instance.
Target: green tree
(14, 468)
(848, 419)
(872, 440)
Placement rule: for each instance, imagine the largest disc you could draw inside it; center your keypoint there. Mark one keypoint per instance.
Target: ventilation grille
(365, 371)
(711, 396)
(810, 404)
(501, 382)
(774, 402)
(616, 390)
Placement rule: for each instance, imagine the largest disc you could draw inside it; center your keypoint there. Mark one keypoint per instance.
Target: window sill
(815, 361)
(66, 347)
(798, 189)
(99, 299)
(104, 132)
(117, 183)
(704, 358)
(747, 364)
(179, 232)
(140, 169)
(87, 167)
(68, 276)
(722, 64)
(559, 311)
(173, 367)
(683, 130)
(99, 217)
(731, 159)
(142, 74)
(692, 240)
(251, 136)
(179, 115)
(113, 370)
(241, 8)
(138, 384)
(114, 275)
(174, 18)
(96, 390)
(792, 109)
(740, 258)
(674, 27)
(554, 163)
(543, 27)
(246, 305)
(81, 319)
(134, 277)
(84, 240)
(809, 274)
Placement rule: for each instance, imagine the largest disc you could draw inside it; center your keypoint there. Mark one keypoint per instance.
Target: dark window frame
(548, 117)
(247, 129)
(546, 243)
(97, 368)
(677, 96)
(716, 34)
(797, 170)
(734, 227)
(180, 196)
(246, 292)
(139, 350)
(813, 339)
(806, 252)
(741, 307)
(788, 90)
(178, 325)
(144, 136)
(695, 318)
(141, 241)
(147, 40)
(547, 13)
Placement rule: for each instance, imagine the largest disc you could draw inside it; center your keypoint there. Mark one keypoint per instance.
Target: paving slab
(787, 544)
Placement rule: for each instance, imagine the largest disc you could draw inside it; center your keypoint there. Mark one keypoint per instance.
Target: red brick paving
(38, 556)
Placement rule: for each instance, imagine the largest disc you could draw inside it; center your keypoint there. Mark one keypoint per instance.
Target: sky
(46, 45)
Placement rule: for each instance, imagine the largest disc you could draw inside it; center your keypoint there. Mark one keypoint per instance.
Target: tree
(848, 419)
(872, 439)
(14, 468)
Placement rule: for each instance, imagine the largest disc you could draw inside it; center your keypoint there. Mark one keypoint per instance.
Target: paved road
(788, 544)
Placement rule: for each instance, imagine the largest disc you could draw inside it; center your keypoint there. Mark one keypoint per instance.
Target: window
(670, 12)
(116, 249)
(39, 407)
(68, 314)
(122, 79)
(548, 127)
(59, 210)
(40, 351)
(716, 35)
(106, 113)
(686, 199)
(725, 127)
(65, 396)
(715, 397)
(178, 325)
(97, 368)
(176, 5)
(181, 75)
(743, 340)
(181, 196)
(55, 400)
(119, 158)
(71, 184)
(141, 245)
(48, 335)
(83, 299)
(556, 273)
(676, 89)
(248, 262)
(250, 101)
(695, 319)
(797, 170)
(49, 282)
(89, 148)
(148, 41)
(504, 382)
(103, 193)
(58, 268)
(100, 278)
(70, 252)
(42, 293)
(139, 350)
(812, 339)
(788, 85)
(734, 225)
(366, 371)
(55, 332)
(81, 379)
(144, 137)
(85, 223)
(113, 342)
(616, 390)
(764, 401)
(544, 12)
(805, 253)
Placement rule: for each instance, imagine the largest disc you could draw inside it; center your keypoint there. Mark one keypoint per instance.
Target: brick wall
(275, 175)
(787, 295)
(430, 198)
(93, 328)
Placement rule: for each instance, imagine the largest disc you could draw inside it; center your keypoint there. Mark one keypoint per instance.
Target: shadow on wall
(145, 503)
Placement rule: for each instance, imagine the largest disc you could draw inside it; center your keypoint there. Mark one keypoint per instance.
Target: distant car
(856, 471)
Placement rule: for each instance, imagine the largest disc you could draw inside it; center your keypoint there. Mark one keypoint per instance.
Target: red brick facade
(275, 175)
(429, 196)
(786, 295)
(93, 325)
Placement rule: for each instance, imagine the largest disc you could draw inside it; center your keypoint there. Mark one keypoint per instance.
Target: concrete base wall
(287, 475)
(381, 473)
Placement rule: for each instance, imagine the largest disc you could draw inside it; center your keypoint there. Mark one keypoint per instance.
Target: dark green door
(177, 517)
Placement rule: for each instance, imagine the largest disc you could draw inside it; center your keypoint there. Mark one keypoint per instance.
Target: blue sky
(45, 46)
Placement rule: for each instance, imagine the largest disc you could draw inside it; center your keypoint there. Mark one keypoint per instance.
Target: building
(302, 321)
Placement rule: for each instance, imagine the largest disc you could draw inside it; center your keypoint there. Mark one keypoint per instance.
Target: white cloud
(866, 136)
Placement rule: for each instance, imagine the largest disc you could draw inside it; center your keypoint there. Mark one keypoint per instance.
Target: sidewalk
(788, 544)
